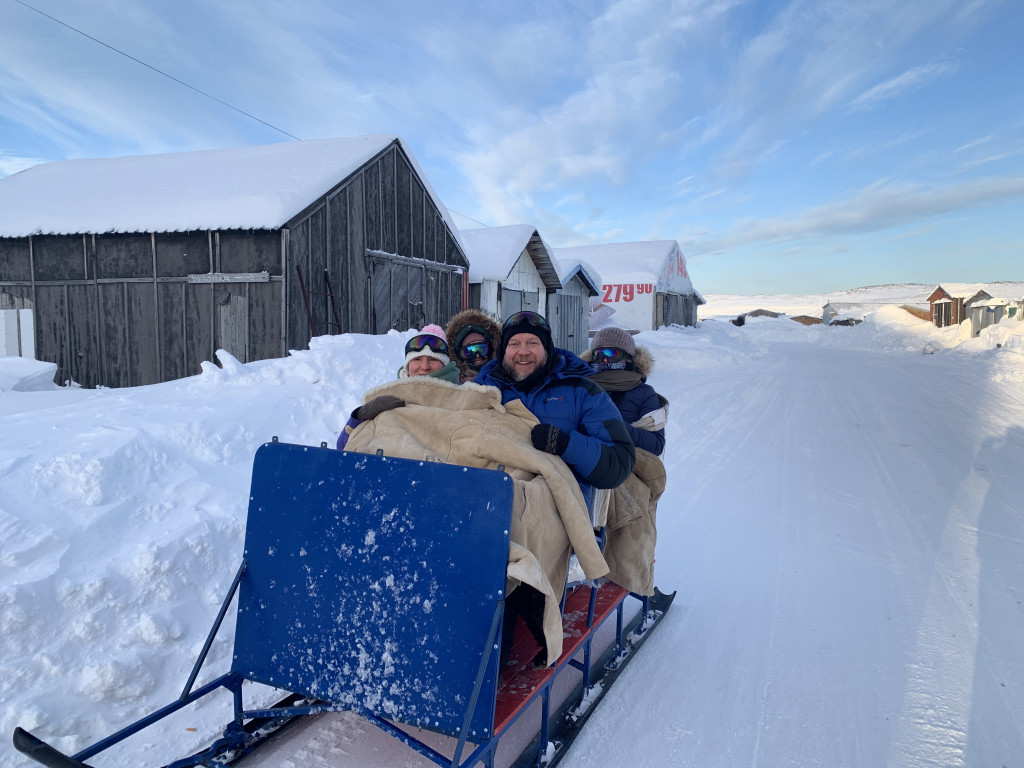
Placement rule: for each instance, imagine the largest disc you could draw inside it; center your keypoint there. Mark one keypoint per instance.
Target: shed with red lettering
(645, 284)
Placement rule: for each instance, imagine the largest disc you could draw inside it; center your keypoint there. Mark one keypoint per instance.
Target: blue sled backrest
(372, 582)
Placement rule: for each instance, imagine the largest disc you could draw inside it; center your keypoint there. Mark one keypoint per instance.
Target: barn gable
(253, 250)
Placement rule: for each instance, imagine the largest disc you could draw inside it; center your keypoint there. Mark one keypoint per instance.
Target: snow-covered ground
(855, 302)
(844, 524)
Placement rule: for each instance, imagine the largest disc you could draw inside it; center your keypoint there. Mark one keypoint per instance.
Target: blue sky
(790, 147)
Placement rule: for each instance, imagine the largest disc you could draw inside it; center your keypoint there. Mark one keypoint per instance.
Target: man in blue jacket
(578, 421)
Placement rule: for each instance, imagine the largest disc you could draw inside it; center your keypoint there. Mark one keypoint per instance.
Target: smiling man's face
(524, 354)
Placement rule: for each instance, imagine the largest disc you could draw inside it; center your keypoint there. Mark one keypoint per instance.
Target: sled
(376, 585)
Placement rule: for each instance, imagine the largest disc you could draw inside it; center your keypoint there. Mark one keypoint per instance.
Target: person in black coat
(621, 369)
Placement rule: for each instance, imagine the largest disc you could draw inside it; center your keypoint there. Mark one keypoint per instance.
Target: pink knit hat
(418, 347)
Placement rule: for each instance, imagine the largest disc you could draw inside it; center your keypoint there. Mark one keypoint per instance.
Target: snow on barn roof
(646, 261)
(493, 251)
(243, 188)
(569, 268)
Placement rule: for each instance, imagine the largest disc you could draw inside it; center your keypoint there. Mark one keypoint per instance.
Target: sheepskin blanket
(468, 425)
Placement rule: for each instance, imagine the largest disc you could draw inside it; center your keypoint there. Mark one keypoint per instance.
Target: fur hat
(614, 337)
(464, 323)
(424, 351)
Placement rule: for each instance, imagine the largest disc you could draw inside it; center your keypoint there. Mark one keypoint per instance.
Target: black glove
(376, 407)
(547, 437)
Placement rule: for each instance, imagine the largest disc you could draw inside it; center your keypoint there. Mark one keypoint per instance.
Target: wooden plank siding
(384, 208)
(129, 309)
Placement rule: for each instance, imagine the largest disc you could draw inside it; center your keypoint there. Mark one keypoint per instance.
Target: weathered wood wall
(390, 259)
(122, 310)
(675, 309)
(568, 313)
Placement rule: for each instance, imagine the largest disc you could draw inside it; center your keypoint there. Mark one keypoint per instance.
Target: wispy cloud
(913, 78)
(880, 206)
(973, 144)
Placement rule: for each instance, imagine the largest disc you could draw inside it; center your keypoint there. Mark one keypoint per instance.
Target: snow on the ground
(843, 524)
(855, 302)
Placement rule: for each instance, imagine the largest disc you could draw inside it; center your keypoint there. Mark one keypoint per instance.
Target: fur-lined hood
(643, 360)
(464, 319)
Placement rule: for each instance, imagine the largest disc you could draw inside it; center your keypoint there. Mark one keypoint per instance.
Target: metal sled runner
(377, 585)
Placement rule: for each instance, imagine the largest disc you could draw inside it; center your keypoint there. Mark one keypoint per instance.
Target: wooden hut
(949, 302)
(511, 269)
(138, 269)
(646, 284)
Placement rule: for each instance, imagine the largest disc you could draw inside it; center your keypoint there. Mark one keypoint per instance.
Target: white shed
(645, 284)
(510, 269)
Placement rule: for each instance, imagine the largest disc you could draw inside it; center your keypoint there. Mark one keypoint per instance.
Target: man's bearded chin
(517, 375)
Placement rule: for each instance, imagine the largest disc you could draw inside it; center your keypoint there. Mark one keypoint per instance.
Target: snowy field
(844, 524)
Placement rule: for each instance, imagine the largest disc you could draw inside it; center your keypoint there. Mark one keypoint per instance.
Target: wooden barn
(646, 284)
(137, 269)
(511, 269)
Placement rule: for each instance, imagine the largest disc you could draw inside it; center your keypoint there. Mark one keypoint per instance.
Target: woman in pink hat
(426, 354)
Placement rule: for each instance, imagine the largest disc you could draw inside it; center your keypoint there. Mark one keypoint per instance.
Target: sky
(792, 146)
(848, 565)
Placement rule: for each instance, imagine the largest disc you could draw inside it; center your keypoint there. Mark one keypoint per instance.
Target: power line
(468, 217)
(158, 71)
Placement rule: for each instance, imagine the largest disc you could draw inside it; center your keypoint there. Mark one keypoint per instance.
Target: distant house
(1016, 309)
(741, 320)
(137, 269)
(949, 302)
(570, 307)
(511, 269)
(985, 312)
(834, 311)
(646, 284)
(806, 320)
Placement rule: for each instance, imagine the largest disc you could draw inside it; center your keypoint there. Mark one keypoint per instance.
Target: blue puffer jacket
(600, 452)
(637, 402)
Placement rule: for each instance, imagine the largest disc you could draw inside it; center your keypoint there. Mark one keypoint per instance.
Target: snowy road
(843, 524)
(845, 530)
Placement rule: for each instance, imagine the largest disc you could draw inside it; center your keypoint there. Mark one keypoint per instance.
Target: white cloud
(894, 87)
(880, 206)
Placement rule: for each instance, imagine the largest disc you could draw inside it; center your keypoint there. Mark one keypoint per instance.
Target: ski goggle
(609, 355)
(476, 349)
(426, 341)
(530, 318)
